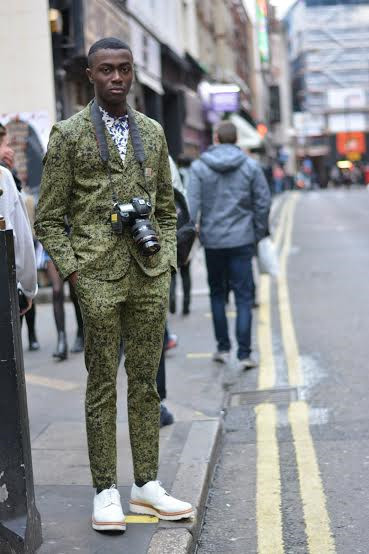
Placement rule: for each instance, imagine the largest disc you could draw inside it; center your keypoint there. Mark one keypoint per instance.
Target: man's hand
(29, 306)
(72, 278)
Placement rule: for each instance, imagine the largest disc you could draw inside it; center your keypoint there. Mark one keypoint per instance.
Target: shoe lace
(112, 497)
(162, 489)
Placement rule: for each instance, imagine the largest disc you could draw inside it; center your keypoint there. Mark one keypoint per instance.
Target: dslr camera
(136, 216)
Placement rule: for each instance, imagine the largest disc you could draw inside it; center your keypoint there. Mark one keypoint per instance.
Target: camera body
(136, 216)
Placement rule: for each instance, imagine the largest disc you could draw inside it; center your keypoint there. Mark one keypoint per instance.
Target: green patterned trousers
(133, 308)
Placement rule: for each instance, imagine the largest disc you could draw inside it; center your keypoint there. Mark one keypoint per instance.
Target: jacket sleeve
(56, 187)
(165, 211)
(194, 195)
(261, 201)
(25, 252)
(17, 220)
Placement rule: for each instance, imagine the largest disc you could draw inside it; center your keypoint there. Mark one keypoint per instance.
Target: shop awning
(248, 137)
(149, 80)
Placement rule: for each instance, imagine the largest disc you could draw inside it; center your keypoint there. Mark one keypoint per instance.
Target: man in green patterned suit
(122, 293)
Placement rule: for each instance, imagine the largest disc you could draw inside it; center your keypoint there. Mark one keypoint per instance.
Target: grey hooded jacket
(229, 191)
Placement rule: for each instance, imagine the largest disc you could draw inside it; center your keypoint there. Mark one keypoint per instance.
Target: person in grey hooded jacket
(230, 198)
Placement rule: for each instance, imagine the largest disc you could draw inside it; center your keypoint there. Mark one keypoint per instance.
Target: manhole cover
(276, 396)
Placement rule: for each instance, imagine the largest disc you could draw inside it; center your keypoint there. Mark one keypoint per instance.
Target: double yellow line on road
(291, 351)
(268, 494)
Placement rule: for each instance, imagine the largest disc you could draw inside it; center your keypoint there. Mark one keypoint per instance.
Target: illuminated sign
(351, 143)
(262, 129)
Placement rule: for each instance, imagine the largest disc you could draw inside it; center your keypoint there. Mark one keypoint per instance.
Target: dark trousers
(30, 319)
(232, 265)
(184, 270)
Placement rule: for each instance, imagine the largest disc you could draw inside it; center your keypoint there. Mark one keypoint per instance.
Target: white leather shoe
(221, 357)
(152, 499)
(247, 363)
(108, 514)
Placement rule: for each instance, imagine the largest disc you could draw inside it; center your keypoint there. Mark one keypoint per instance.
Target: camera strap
(137, 144)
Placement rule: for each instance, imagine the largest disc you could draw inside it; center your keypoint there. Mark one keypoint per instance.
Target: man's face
(111, 74)
(6, 152)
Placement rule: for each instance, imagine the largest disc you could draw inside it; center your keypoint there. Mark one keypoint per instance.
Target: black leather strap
(99, 125)
(137, 144)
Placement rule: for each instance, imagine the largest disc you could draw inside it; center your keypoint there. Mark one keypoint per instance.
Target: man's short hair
(2, 132)
(108, 43)
(227, 132)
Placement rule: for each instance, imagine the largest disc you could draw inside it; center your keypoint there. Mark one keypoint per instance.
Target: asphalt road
(294, 469)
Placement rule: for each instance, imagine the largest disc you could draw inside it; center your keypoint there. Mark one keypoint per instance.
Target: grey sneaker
(246, 363)
(221, 357)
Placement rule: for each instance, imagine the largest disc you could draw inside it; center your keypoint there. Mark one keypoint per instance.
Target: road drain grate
(275, 396)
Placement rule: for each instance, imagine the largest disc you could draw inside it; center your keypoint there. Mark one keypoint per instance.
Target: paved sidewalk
(61, 470)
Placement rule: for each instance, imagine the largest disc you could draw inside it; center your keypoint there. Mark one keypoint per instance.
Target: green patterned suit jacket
(75, 184)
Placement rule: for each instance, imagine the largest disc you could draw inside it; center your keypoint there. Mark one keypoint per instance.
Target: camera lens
(150, 248)
(145, 237)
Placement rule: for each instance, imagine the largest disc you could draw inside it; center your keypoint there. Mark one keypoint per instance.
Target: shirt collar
(110, 120)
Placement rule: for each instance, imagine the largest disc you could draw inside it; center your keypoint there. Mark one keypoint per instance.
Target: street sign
(352, 144)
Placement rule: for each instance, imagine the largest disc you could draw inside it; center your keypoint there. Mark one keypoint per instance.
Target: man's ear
(89, 75)
(215, 138)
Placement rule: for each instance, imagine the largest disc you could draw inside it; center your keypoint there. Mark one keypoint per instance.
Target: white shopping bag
(267, 257)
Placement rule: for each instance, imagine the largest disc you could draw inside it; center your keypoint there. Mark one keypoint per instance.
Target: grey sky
(282, 6)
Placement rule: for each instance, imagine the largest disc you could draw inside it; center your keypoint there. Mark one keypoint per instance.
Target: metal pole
(20, 524)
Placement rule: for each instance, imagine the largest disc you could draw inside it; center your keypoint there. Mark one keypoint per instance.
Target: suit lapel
(114, 157)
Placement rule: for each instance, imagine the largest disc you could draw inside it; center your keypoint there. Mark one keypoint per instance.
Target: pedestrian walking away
(107, 170)
(179, 185)
(230, 197)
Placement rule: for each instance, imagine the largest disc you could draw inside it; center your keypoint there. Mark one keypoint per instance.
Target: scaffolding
(329, 49)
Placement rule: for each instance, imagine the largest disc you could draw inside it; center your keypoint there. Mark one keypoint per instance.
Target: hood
(223, 157)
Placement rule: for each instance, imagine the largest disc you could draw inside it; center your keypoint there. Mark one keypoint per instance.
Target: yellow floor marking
(266, 361)
(268, 482)
(199, 355)
(50, 382)
(317, 522)
(281, 223)
(295, 376)
(141, 519)
(267, 373)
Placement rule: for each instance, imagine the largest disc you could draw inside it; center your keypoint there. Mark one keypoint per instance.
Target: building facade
(178, 47)
(27, 95)
(329, 63)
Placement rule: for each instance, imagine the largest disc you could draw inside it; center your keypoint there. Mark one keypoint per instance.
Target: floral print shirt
(118, 128)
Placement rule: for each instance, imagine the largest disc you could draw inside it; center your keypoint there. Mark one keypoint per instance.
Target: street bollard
(20, 523)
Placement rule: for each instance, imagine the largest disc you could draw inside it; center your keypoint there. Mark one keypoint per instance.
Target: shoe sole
(245, 367)
(108, 526)
(147, 509)
(60, 357)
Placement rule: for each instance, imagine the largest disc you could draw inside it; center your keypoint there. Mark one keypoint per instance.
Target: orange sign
(262, 129)
(347, 143)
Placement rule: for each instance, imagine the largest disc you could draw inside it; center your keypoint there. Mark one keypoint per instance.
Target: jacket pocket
(98, 251)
